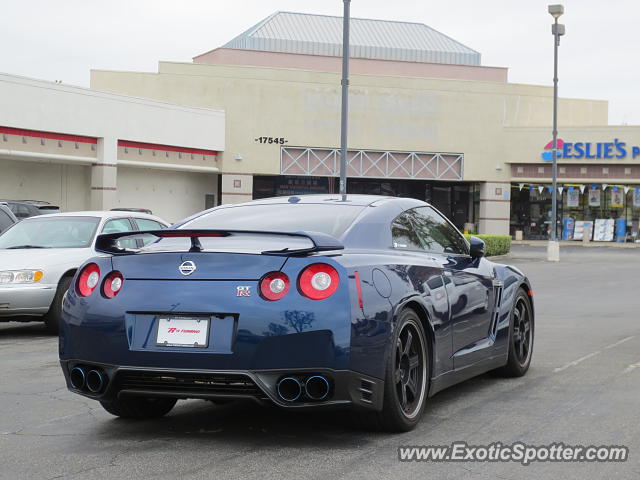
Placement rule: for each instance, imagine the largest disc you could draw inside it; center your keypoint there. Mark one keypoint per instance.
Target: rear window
(331, 219)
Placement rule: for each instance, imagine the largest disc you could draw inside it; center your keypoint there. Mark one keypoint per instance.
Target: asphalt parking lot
(583, 388)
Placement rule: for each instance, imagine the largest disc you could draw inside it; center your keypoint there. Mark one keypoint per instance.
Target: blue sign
(591, 150)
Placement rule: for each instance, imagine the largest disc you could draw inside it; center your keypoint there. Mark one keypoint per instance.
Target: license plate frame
(179, 330)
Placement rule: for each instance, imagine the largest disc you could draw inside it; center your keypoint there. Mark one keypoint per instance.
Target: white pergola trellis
(325, 162)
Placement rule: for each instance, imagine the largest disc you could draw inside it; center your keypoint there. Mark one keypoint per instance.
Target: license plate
(183, 332)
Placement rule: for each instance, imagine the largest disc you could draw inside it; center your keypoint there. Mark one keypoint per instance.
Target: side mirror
(476, 249)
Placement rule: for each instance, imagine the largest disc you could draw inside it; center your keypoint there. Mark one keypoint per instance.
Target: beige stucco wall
(495, 201)
(367, 66)
(171, 195)
(64, 185)
(386, 112)
(236, 188)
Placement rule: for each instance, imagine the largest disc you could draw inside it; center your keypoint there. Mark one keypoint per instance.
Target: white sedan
(40, 255)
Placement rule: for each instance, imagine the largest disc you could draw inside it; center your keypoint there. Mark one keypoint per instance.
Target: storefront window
(531, 209)
(456, 200)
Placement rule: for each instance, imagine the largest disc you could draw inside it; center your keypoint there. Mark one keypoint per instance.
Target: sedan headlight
(20, 276)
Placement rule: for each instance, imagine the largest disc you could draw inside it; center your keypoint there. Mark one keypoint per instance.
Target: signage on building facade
(615, 149)
(573, 197)
(594, 198)
(287, 186)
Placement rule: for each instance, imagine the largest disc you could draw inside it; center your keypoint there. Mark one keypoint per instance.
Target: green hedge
(495, 244)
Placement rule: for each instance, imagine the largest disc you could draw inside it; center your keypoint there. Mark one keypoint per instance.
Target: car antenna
(345, 100)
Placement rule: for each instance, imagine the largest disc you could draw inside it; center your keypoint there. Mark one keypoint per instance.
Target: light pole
(553, 249)
(345, 100)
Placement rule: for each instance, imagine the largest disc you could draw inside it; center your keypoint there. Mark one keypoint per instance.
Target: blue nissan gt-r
(373, 303)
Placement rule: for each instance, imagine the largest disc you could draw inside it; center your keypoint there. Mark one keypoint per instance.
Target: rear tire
(139, 408)
(406, 380)
(53, 317)
(521, 334)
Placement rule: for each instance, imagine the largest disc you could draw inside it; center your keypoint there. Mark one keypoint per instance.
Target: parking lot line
(576, 362)
(620, 342)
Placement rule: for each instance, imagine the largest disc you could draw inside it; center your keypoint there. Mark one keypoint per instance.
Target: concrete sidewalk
(576, 243)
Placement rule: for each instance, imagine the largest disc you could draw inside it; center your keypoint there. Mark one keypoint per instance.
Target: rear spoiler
(108, 242)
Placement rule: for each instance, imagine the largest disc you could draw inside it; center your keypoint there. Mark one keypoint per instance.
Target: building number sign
(271, 140)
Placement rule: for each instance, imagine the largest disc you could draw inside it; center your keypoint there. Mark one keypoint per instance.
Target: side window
(146, 224)
(120, 225)
(437, 234)
(21, 211)
(5, 221)
(403, 232)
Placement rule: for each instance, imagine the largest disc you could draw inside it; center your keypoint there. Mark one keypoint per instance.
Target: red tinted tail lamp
(88, 280)
(112, 284)
(318, 281)
(274, 286)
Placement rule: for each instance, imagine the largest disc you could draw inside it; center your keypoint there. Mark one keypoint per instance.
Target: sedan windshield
(50, 232)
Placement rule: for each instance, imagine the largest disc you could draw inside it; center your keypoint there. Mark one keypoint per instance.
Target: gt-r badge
(243, 291)
(187, 268)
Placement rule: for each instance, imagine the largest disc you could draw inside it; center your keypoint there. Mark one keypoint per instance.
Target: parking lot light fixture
(553, 248)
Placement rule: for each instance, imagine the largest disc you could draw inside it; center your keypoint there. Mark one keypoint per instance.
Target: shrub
(495, 244)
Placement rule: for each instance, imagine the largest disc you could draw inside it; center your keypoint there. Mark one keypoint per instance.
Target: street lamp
(553, 249)
(344, 115)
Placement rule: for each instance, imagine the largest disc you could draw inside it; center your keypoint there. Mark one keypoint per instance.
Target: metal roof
(308, 34)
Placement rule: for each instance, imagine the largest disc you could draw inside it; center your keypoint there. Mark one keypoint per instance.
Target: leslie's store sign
(591, 150)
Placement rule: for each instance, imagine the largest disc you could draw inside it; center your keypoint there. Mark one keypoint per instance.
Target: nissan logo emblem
(187, 268)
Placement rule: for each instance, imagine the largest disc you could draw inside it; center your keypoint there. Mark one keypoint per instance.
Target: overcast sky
(64, 39)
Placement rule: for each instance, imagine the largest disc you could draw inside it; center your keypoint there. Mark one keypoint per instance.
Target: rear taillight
(112, 284)
(274, 286)
(88, 280)
(318, 281)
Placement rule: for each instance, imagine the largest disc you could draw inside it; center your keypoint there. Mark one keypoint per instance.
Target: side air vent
(366, 391)
(497, 295)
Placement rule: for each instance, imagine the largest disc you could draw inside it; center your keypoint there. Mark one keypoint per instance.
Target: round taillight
(88, 279)
(112, 284)
(274, 286)
(318, 281)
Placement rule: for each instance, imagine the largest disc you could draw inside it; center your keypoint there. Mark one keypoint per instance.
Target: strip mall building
(260, 116)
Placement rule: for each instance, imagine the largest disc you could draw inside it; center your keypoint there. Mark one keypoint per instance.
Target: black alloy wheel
(407, 377)
(521, 337)
(522, 332)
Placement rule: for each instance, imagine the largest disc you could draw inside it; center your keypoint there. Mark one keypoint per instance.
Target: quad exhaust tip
(315, 387)
(95, 381)
(289, 389)
(78, 378)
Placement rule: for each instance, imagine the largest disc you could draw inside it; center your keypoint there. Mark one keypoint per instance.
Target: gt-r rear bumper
(344, 387)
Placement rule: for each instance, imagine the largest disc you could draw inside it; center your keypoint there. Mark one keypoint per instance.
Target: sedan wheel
(53, 317)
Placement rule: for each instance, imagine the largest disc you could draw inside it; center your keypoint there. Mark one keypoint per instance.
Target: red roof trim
(54, 136)
(167, 148)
